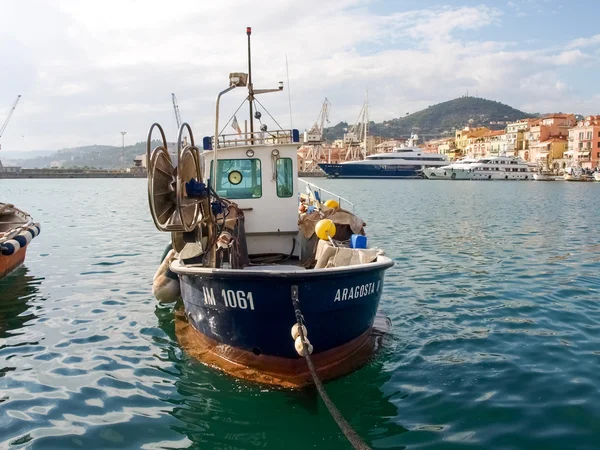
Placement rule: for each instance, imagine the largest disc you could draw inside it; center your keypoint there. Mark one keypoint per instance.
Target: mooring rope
(346, 428)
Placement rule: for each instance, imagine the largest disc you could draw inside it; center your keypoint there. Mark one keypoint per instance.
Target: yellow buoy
(332, 204)
(325, 229)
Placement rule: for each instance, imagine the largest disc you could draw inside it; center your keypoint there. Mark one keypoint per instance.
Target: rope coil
(352, 436)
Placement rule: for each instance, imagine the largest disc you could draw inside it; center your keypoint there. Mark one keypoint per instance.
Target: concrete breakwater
(40, 173)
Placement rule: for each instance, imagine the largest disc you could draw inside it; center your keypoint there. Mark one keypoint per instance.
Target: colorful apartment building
(491, 143)
(516, 144)
(467, 136)
(584, 143)
(547, 138)
(449, 148)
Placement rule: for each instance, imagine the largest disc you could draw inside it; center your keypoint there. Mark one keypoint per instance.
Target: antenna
(287, 72)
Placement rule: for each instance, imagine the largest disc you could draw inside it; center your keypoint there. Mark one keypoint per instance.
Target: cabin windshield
(285, 177)
(238, 178)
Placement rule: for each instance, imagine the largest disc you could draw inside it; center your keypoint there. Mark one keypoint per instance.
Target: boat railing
(317, 193)
(256, 138)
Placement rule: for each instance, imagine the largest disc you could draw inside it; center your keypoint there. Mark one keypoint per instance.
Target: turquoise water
(494, 300)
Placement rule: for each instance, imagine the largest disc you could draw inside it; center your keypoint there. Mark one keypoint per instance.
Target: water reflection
(16, 293)
(219, 411)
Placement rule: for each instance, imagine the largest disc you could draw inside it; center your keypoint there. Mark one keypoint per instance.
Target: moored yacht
(490, 168)
(403, 162)
(450, 172)
(501, 168)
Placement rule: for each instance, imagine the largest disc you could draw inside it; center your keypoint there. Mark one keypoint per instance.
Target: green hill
(441, 119)
(92, 156)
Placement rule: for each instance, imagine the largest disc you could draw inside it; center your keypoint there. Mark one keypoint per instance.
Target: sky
(88, 70)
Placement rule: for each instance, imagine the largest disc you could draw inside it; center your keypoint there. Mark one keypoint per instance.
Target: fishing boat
(17, 229)
(405, 161)
(597, 176)
(268, 273)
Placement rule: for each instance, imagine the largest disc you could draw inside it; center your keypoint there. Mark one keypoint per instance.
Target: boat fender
(23, 238)
(332, 204)
(296, 331)
(165, 286)
(300, 348)
(35, 229)
(9, 247)
(325, 229)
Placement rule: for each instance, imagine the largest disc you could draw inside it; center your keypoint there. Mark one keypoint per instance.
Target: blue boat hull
(371, 171)
(254, 312)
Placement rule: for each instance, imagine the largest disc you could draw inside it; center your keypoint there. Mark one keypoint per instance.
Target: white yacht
(491, 168)
(402, 162)
(450, 172)
(501, 168)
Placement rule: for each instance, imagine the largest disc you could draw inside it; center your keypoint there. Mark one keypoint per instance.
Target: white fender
(165, 264)
(165, 289)
(296, 331)
(300, 347)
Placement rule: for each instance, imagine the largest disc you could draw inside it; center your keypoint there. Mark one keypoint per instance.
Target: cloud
(585, 42)
(92, 69)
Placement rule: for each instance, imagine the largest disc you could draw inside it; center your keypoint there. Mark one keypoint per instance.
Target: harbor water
(494, 300)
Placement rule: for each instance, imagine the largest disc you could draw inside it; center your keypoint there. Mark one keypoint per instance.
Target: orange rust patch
(277, 371)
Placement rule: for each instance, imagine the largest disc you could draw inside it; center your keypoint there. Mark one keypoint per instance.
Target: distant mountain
(97, 156)
(441, 119)
(13, 155)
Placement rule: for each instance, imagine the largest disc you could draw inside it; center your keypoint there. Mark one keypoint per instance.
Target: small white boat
(540, 176)
(597, 176)
(574, 173)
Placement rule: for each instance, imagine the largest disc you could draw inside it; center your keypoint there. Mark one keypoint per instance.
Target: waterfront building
(389, 145)
(483, 145)
(467, 136)
(516, 144)
(547, 139)
(448, 147)
(584, 143)
(433, 145)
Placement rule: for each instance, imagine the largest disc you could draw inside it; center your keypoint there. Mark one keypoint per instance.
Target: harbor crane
(176, 108)
(5, 124)
(313, 139)
(356, 137)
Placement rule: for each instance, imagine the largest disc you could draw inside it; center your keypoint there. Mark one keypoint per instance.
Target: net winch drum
(170, 207)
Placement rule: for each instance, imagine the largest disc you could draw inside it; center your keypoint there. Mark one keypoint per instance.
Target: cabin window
(250, 185)
(285, 177)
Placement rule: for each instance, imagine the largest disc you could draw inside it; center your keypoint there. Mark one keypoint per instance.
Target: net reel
(171, 209)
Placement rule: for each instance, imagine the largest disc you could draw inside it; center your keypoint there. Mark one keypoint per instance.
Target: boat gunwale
(382, 263)
(26, 218)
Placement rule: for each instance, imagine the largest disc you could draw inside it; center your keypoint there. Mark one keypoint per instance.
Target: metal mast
(176, 108)
(5, 124)
(250, 88)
